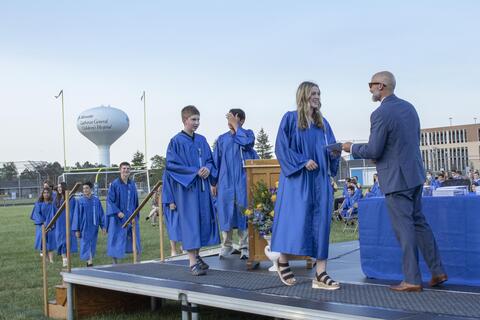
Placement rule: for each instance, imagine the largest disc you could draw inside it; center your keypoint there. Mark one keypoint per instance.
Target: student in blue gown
(49, 185)
(122, 200)
(189, 164)
(89, 217)
(438, 182)
(60, 224)
(375, 189)
(230, 187)
(42, 214)
(350, 205)
(169, 212)
(305, 197)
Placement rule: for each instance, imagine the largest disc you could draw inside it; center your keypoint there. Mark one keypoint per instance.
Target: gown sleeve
(176, 166)
(290, 160)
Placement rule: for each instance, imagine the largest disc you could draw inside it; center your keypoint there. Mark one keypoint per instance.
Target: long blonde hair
(303, 107)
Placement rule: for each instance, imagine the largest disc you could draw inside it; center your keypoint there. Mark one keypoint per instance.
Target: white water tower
(103, 126)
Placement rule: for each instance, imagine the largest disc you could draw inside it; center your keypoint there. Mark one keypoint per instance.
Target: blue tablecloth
(455, 222)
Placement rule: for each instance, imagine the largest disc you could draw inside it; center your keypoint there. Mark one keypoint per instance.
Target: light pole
(63, 129)
(145, 125)
(143, 98)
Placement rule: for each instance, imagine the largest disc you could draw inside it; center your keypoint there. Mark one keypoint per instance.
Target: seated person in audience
(427, 188)
(456, 174)
(474, 187)
(438, 182)
(358, 190)
(338, 201)
(429, 177)
(374, 191)
(350, 205)
(476, 178)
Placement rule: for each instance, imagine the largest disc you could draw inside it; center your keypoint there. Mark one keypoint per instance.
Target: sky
(219, 55)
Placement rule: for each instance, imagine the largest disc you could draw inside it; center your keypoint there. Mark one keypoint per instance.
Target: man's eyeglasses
(371, 84)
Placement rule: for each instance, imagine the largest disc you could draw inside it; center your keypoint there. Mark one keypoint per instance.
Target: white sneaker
(225, 251)
(244, 254)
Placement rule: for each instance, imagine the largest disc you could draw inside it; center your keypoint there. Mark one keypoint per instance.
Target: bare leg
(192, 257)
(321, 266)
(173, 248)
(50, 256)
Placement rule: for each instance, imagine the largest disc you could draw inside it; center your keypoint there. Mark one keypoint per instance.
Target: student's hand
(172, 206)
(336, 153)
(347, 146)
(121, 215)
(204, 172)
(104, 232)
(311, 165)
(233, 120)
(77, 234)
(214, 190)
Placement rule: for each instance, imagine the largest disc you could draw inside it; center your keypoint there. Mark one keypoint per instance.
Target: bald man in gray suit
(394, 146)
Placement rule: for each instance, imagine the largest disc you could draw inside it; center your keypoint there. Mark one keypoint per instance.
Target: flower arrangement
(262, 212)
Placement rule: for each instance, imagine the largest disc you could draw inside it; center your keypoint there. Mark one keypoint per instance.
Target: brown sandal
(285, 273)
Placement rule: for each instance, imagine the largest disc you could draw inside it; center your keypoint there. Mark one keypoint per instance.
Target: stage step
(61, 295)
(56, 311)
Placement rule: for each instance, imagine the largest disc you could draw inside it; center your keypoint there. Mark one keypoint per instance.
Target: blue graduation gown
(171, 217)
(374, 191)
(229, 154)
(60, 229)
(89, 216)
(185, 156)
(349, 202)
(304, 203)
(358, 193)
(122, 197)
(43, 213)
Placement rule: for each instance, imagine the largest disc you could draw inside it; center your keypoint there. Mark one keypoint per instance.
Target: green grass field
(21, 272)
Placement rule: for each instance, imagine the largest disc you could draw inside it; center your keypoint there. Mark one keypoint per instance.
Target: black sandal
(202, 263)
(285, 273)
(323, 281)
(197, 270)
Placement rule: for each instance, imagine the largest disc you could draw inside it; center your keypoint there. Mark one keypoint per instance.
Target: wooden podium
(268, 171)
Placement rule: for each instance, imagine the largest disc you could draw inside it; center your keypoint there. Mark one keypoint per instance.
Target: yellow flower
(276, 184)
(248, 212)
(272, 213)
(259, 206)
(273, 197)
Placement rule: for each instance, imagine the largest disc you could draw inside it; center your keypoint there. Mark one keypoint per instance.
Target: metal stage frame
(228, 285)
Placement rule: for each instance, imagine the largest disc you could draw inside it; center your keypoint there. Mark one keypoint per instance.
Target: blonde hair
(303, 107)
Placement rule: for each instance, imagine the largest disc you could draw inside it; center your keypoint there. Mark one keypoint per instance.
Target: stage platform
(229, 285)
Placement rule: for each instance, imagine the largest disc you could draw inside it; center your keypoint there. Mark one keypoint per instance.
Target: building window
(465, 135)
(450, 136)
